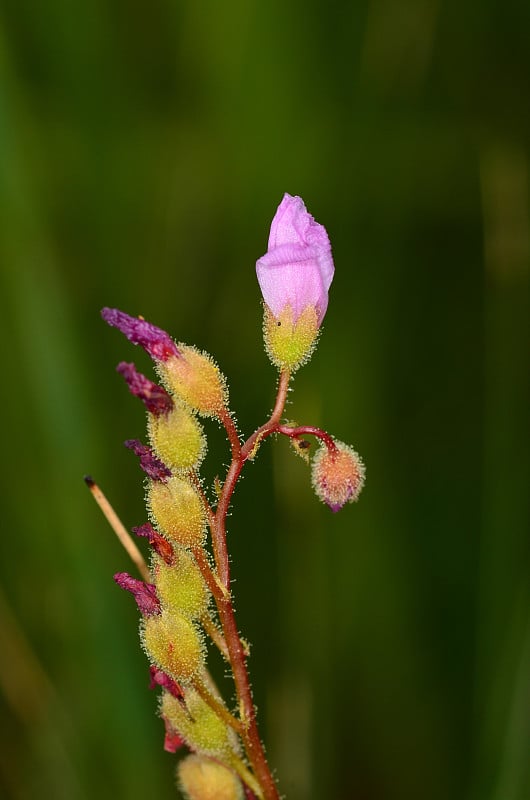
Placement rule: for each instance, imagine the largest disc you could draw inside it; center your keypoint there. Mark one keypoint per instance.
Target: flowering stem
(236, 650)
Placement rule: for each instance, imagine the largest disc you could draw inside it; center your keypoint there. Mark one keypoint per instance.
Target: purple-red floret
(159, 678)
(151, 465)
(144, 593)
(154, 397)
(155, 341)
(158, 542)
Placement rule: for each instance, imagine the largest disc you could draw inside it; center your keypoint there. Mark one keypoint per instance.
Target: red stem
(240, 454)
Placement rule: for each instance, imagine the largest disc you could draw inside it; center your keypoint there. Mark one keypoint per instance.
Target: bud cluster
(186, 597)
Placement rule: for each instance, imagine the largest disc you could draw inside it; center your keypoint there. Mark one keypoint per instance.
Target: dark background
(144, 148)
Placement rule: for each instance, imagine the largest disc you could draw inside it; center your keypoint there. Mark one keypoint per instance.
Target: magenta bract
(297, 268)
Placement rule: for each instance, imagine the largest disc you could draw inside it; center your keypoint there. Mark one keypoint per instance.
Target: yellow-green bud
(203, 779)
(290, 344)
(201, 728)
(180, 587)
(177, 509)
(178, 438)
(196, 379)
(173, 642)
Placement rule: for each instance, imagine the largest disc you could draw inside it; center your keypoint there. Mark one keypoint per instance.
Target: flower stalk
(188, 568)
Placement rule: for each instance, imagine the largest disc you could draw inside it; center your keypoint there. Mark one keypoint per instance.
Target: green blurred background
(143, 151)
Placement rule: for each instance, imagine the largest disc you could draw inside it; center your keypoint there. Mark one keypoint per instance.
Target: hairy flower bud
(178, 438)
(337, 474)
(173, 642)
(180, 587)
(294, 276)
(200, 727)
(201, 778)
(196, 379)
(177, 509)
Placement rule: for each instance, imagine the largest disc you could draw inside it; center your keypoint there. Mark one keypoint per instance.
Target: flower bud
(294, 276)
(337, 475)
(178, 438)
(196, 379)
(178, 511)
(174, 644)
(203, 779)
(180, 587)
(198, 724)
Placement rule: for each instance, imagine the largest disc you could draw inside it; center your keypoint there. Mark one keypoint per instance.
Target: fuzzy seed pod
(174, 644)
(180, 586)
(203, 779)
(195, 378)
(177, 438)
(178, 511)
(337, 475)
(200, 727)
(289, 343)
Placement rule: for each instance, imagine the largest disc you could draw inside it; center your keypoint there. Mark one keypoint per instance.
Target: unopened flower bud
(294, 276)
(178, 438)
(178, 511)
(156, 400)
(144, 593)
(180, 586)
(337, 474)
(201, 728)
(173, 642)
(201, 778)
(155, 341)
(195, 378)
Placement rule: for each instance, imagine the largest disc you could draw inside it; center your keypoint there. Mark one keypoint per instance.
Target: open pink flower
(297, 268)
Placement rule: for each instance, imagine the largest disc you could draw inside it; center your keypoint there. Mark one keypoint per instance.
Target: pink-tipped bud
(155, 341)
(156, 400)
(337, 474)
(151, 465)
(158, 542)
(144, 593)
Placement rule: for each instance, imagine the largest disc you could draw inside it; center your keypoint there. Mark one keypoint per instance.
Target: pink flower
(297, 269)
